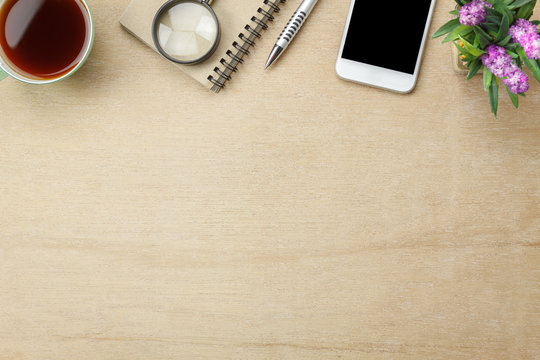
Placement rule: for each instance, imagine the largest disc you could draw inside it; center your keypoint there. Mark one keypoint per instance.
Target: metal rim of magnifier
(165, 7)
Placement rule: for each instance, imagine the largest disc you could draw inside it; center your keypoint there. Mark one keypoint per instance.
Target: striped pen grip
(292, 27)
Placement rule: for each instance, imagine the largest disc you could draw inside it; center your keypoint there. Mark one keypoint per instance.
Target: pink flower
(525, 33)
(517, 81)
(502, 66)
(474, 12)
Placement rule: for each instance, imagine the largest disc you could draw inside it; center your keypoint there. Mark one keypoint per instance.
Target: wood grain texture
(292, 216)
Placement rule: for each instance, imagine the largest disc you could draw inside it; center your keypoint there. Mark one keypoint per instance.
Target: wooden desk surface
(293, 216)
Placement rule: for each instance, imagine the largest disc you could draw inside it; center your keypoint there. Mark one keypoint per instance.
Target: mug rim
(14, 74)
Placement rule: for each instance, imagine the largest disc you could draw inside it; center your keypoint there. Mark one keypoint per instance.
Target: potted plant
(497, 37)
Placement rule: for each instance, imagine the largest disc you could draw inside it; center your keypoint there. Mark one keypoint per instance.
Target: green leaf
(461, 50)
(454, 12)
(512, 46)
(505, 41)
(494, 19)
(460, 30)
(469, 58)
(503, 30)
(478, 30)
(526, 11)
(488, 77)
(476, 42)
(531, 64)
(512, 54)
(464, 55)
(446, 28)
(494, 96)
(470, 48)
(518, 3)
(482, 37)
(503, 9)
(493, 15)
(513, 97)
(492, 28)
(474, 67)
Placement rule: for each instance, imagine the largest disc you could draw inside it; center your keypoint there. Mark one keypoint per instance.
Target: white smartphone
(382, 45)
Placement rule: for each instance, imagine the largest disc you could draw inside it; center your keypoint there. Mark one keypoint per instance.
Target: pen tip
(276, 52)
(269, 62)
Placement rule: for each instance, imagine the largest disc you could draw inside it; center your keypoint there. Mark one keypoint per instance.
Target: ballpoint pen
(290, 30)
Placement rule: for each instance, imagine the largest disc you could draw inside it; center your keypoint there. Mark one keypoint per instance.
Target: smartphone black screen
(388, 35)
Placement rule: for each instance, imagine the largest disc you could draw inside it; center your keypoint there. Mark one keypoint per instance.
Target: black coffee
(44, 39)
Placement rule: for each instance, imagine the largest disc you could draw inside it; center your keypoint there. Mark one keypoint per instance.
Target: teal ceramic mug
(44, 41)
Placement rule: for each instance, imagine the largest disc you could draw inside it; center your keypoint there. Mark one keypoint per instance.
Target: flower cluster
(499, 39)
(525, 33)
(501, 65)
(474, 12)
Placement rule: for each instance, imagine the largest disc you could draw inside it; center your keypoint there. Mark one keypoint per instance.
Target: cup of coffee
(44, 41)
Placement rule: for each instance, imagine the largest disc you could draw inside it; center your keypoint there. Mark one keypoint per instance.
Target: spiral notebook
(241, 22)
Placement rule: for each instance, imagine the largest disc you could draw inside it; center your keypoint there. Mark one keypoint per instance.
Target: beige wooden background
(293, 216)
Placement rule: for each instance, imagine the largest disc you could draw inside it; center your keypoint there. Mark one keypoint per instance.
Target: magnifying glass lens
(187, 31)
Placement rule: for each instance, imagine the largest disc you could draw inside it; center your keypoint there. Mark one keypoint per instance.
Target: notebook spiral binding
(241, 48)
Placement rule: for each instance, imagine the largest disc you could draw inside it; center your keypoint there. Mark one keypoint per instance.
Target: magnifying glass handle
(209, 2)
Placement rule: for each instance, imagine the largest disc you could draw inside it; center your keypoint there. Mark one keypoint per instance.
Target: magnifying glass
(186, 31)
